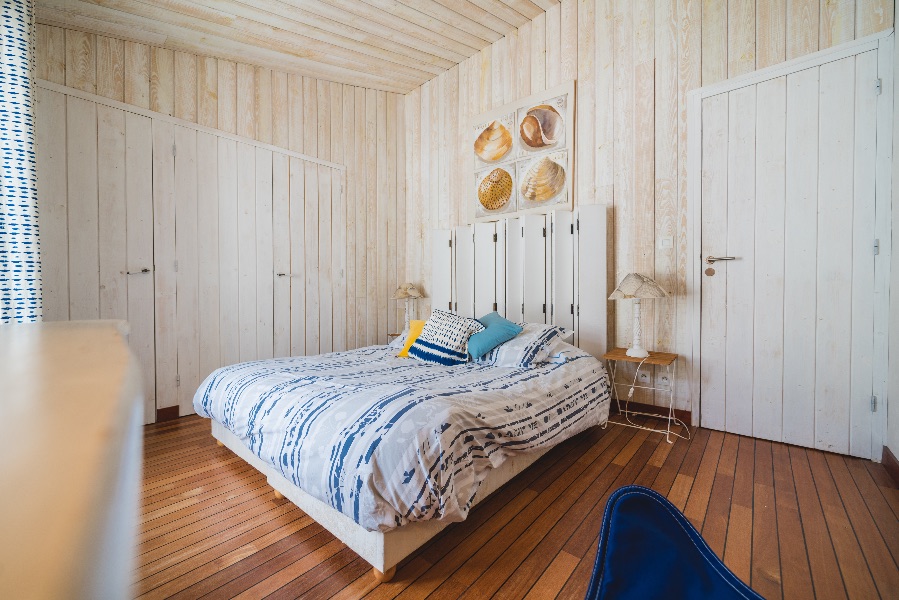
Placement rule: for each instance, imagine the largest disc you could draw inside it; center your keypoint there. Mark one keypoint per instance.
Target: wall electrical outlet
(643, 378)
(664, 382)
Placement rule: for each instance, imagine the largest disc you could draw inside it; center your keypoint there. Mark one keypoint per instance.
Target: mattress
(389, 440)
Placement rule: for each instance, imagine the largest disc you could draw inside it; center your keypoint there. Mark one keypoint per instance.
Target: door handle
(713, 259)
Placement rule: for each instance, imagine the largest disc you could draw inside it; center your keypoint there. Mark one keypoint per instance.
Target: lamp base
(637, 352)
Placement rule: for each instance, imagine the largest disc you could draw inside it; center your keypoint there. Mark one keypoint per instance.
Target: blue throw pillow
(498, 331)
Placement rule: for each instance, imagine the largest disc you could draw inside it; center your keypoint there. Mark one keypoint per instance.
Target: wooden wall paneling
(522, 64)
(81, 156)
(187, 273)
(623, 157)
(401, 199)
(280, 110)
(800, 244)
(433, 165)
(499, 51)
(164, 264)
(81, 61)
(464, 275)
(689, 18)
(486, 80)
(383, 216)
(741, 37)
(325, 276)
(873, 16)
(323, 131)
(714, 41)
(227, 96)
(390, 244)
(861, 419)
(349, 190)
(281, 254)
(666, 177)
(111, 68)
(771, 32)
(208, 291)
(538, 54)
(52, 197)
(533, 268)
(361, 227)
(137, 74)
(604, 114)
(837, 22)
(802, 27)
(310, 116)
(246, 250)
(297, 271)
(229, 279)
(451, 168)
(246, 101)
(139, 251)
(741, 197)
(514, 270)
(265, 323)
(338, 234)
(834, 293)
(714, 210)
(553, 64)
(296, 130)
(311, 248)
(414, 207)
(112, 217)
(568, 39)
(207, 92)
(263, 105)
(768, 322)
(186, 86)
(50, 48)
(162, 80)
(371, 191)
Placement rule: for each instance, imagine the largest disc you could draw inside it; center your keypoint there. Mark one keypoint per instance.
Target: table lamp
(410, 294)
(637, 287)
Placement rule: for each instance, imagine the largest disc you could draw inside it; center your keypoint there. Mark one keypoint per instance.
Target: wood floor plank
(793, 522)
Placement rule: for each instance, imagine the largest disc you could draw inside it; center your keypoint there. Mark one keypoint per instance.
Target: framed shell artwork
(522, 155)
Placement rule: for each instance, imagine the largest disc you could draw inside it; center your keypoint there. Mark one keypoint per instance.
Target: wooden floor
(792, 522)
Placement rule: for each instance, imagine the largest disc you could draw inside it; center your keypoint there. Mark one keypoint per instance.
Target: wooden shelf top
(655, 358)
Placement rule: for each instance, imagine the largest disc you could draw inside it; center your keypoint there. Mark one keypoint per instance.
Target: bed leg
(278, 495)
(219, 442)
(384, 577)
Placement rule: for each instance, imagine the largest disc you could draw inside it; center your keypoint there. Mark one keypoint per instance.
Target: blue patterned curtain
(20, 267)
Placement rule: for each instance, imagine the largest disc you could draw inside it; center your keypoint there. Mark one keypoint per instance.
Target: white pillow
(444, 339)
(528, 348)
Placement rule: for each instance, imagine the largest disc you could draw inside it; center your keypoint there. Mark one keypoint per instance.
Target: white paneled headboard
(548, 268)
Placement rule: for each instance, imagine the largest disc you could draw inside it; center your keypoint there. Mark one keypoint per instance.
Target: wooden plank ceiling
(391, 45)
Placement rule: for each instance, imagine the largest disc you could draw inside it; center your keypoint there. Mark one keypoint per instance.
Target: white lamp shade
(637, 286)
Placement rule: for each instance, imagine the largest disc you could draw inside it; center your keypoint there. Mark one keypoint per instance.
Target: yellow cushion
(415, 328)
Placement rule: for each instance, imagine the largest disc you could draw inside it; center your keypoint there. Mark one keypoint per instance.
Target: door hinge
(522, 231)
(544, 232)
(878, 86)
(572, 308)
(457, 307)
(522, 309)
(572, 229)
(873, 403)
(451, 243)
(544, 308)
(449, 305)
(495, 306)
(578, 227)
(495, 238)
(876, 247)
(177, 380)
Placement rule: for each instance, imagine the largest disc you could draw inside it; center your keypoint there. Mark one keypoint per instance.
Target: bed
(385, 452)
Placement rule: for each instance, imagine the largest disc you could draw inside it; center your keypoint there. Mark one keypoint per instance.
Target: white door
(788, 208)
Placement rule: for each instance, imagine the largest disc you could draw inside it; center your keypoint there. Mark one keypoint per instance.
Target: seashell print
(541, 127)
(495, 189)
(493, 143)
(542, 181)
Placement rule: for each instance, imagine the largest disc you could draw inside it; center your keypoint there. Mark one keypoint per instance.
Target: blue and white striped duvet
(388, 440)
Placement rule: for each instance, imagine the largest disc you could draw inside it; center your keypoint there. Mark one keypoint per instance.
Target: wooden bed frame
(383, 551)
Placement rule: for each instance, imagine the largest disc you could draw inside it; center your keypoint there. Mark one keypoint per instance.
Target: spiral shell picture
(493, 143)
(495, 189)
(542, 181)
(541, 127)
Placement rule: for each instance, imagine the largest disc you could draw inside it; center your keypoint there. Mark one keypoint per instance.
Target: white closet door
(592, 292)
(442, 271)
(514, 270)
(787, 326)
(563, 269)
(463, 301)
(485, 280)
(534, 268)
(187, 277)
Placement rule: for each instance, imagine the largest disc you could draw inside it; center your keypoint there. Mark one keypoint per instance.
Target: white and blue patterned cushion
(20, 267)
(444, 339)
(528, 348)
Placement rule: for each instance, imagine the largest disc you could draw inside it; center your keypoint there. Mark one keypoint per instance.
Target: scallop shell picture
(493, 143)
(543, 181)
(541, 127)
(495, 189)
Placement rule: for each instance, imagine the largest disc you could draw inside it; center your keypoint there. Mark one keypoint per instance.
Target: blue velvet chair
(648, 549)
